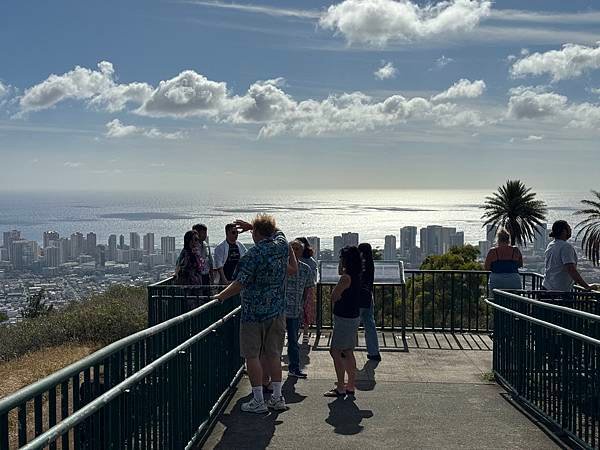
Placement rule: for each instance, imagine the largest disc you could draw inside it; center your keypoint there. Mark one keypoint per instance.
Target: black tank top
(348, 305)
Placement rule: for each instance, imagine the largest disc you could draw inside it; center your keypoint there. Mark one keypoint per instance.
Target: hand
(242, 225)
(216, 297)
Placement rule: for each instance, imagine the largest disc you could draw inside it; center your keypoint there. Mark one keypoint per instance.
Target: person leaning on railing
(504, 262)
(260, 281)
(561, 261)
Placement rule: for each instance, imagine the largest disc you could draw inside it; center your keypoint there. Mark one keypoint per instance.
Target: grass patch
(489, 377)
(97, 321)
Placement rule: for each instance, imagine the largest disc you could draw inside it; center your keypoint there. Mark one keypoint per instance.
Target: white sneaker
(277, 404)
(254, 407)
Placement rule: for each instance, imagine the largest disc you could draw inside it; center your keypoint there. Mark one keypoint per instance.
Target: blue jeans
(293, 349)
(368, 320)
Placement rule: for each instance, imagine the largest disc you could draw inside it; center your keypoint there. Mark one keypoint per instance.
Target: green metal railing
(548, 356)
(156, 389)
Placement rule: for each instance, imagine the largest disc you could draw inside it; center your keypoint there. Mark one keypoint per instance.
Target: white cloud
(462, 89)
(73, 164)
(534, 103)
(387, 70)
(515, 15)
(116, 129)
(533, 137)
(595, 91)
(96, 86)
(187, 94)
(570, 62)
(267, 10)
(442, 62)
(3, 89)
(376, 22)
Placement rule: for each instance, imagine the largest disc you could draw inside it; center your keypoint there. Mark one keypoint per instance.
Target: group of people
(276, 281)
(504, 261)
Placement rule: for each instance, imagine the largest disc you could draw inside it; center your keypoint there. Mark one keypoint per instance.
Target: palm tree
(590, 228)
(515, 208)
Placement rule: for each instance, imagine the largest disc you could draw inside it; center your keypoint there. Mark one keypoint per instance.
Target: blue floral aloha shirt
(262, 272)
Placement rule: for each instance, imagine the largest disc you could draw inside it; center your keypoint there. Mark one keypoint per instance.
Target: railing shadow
(345, 417)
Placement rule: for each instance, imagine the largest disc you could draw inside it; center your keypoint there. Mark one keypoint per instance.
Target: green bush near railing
(101, 319)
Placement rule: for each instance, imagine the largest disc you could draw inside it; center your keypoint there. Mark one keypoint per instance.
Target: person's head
(308, 250)
(263, 226)
(350, 262)
(202, 231)
(231, 232)
(298, 248)
(503, 237)
(561, 230)
(190, 239)
(366, 256)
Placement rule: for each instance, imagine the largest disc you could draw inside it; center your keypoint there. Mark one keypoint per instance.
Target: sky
(379, 94)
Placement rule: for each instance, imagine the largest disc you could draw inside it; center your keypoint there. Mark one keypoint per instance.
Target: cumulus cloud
(570, 62)
(3, 89)
(534, 103)
(463, 88)
(96, 86)
(387, 70)
(116, 129)
(376, 22)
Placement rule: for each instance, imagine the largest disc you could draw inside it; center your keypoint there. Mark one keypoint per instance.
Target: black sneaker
(297, 374)
(376, 357)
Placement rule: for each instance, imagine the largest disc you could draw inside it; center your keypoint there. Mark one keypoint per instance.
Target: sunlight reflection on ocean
(323, 213)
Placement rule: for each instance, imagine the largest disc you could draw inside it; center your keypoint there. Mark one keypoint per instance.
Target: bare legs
(344, 365)
(272, 368)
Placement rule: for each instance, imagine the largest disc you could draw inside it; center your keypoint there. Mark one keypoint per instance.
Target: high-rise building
(484, 248)
(65, 249)
(134, 241)
(350, 239)
(23, 253)
(112, 248)
(77, 245)
(100, 255)
(122, 242)
(149, 243)
(457, 239)
(338, 244)
(540, 238)
(52, 256)
(490, 234)
(432, 240)
(315, 243)
(408, 240)
(8, 237)
(134, 268)
(90, 244)
(167, 245)
(50, 236)
(389, 248)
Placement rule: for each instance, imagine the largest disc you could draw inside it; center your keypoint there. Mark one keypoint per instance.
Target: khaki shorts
(262, 338)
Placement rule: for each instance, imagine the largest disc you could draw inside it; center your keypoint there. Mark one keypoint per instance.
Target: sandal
(334, 393)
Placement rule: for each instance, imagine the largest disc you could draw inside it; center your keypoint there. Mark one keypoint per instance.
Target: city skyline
(461, 94)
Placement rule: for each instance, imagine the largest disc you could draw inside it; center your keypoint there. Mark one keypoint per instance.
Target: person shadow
(345, 417)
(365, 377)
(289, 391)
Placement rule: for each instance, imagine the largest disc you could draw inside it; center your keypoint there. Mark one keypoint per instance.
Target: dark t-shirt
(233, 258)
(348, 305)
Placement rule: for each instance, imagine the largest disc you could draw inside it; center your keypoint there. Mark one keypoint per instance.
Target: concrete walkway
(423, 399)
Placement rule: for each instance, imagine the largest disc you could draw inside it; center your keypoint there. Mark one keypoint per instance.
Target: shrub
(101, 319)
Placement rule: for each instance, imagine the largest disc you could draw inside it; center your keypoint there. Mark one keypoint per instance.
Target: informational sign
(386, 272)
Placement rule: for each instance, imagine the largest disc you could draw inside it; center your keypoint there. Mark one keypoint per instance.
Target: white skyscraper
(134, 241)
(389, 248)
(540, 238)
(77, 245)
(52, 256)
(149, 243)
(338, 243)
(167, 245)
(50, 236)
(408, 240)
(350, 239)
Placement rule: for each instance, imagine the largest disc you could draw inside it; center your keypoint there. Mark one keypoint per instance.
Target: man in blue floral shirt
(260, 281)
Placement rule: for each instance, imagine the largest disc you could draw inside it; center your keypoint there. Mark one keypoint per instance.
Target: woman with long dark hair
(188, 268)
(367, 316)
(346, 298)
(309, 304)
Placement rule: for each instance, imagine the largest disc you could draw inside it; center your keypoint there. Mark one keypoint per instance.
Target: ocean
(324, 213)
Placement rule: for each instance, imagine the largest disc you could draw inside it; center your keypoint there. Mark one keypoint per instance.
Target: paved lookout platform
(420, 399)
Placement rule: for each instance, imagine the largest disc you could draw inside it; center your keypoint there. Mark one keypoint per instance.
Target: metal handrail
(563, 309)
(43, 385)
(543, 323)
(80, 415)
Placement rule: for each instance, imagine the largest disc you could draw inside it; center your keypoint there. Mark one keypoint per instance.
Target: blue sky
(346, 93)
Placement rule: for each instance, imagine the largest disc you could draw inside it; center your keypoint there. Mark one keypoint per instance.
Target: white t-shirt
(558, 254)
(222, 251)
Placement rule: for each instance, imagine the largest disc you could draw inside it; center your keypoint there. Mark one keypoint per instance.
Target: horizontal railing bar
(563, 309)
(80, 415)
(43, 385)
(552, 326)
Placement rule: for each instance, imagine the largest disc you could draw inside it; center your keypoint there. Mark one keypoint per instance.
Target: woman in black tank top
(346, 300)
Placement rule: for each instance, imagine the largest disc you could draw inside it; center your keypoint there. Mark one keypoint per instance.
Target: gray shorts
(345, 331)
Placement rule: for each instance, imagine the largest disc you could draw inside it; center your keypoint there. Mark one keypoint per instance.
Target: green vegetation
(589, 228)
(488, 376)
(457, 258)
(515, 208)
(99, 320)
(3, 317)
(36, 306)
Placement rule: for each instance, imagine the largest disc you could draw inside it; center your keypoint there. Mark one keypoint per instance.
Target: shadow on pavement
(345, 416)
(289, 391)
(365, 377)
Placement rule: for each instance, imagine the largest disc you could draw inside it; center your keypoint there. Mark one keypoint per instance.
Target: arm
(292, 266)
(340, 287)
(222, 276)
(488, 261)
(572, 271)
(520, 258)
(231, 290)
